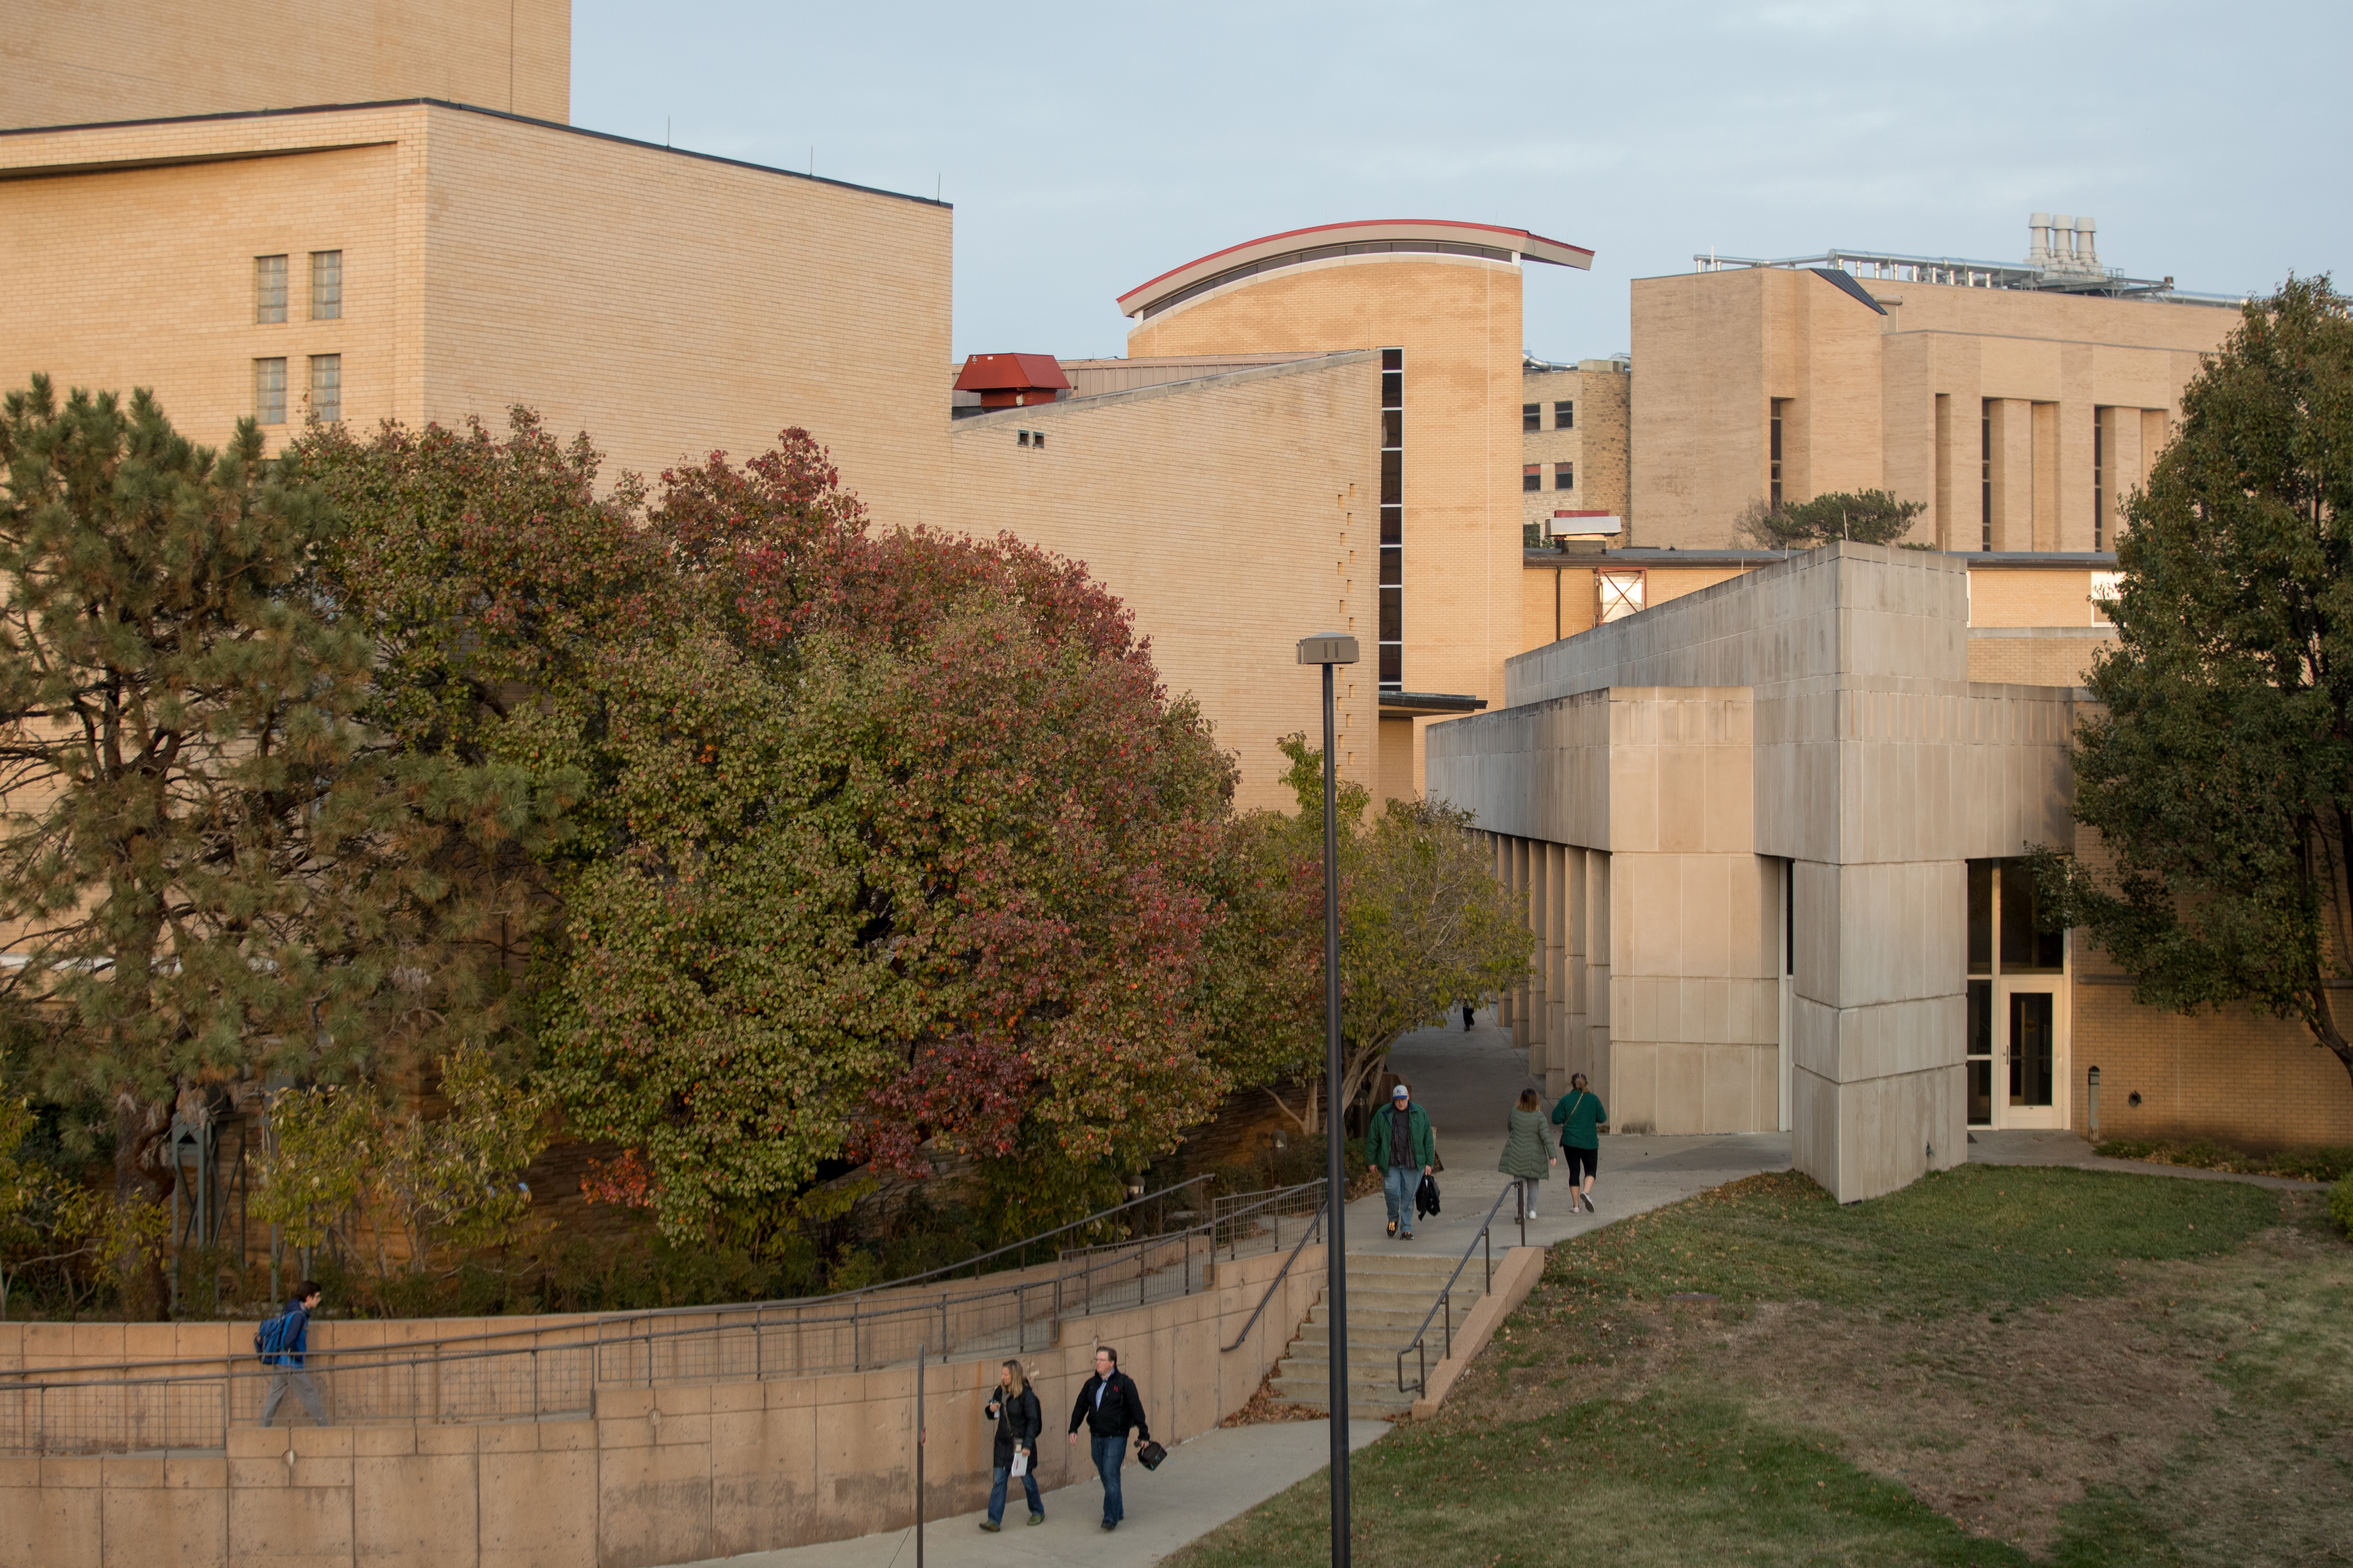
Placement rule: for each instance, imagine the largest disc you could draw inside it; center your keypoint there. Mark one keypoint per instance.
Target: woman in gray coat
(1527, 1149)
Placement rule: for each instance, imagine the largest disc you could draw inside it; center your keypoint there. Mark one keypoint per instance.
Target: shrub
(2340, 1207)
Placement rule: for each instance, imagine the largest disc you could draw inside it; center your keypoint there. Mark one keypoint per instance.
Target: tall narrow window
(1563, 416)
(1532, 476)
(326, 285)
(1531, 415)
(1985, 474)
(270, 392)
(327, 387)
(1564, 476)
(1774, 479)
(1392, 581)
(2099, 478)
(268, 288)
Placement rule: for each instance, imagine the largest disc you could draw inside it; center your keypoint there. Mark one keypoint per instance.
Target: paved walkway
(1468, 1079)
(2021, 1148)
(1205, 1482)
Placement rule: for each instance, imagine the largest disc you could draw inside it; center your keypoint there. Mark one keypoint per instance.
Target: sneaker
(1392, 1227)
(1036, 1519)
(991, 1526)
(1532, 1214)
(1111, 1524)
(1407, 1235)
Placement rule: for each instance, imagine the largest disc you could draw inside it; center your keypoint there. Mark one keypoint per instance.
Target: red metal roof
(1012, 372)
(1532, 246)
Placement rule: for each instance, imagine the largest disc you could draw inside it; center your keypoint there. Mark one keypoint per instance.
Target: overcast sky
(1089, 148)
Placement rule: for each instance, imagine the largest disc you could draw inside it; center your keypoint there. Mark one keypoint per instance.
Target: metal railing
(1445, 1301)
(1313, 1233)
(555, 1372)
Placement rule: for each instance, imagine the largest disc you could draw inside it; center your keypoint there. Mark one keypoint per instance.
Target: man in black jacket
(1109, 1404)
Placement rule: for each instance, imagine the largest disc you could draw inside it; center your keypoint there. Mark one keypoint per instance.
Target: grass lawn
(1996, 1365)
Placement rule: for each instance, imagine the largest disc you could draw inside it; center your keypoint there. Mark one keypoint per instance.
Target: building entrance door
(2016, 1066)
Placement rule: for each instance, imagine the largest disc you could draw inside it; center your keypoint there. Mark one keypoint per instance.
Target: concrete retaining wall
(664, 1475)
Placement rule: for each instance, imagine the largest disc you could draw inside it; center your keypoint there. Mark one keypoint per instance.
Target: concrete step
(1316, 1391)
(1315, 1336)
(1389, 1306)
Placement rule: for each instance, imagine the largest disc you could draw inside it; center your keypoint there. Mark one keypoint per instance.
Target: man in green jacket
(1580, 1118)
(1401, 1149)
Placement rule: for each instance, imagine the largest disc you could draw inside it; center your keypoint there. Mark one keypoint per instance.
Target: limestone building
(1573, 450)
(2018, 402)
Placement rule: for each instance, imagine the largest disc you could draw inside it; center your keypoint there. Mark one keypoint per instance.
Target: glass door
(2015, 1067)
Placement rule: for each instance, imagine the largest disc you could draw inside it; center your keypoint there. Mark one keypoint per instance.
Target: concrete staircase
(1388, 1295)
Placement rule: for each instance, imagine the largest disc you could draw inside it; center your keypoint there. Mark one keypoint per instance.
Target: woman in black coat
(1018, 1420)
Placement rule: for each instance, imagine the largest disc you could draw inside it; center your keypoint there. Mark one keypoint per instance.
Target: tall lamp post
(1327, 650)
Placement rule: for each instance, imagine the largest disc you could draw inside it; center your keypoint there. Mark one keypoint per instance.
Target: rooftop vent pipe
(2038, 239)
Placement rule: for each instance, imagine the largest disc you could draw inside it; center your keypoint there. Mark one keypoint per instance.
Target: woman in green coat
(1580, 1118)
(1525, 1152)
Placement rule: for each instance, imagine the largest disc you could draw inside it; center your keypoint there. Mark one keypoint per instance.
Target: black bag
(1149, 1454)
(1425, 1197)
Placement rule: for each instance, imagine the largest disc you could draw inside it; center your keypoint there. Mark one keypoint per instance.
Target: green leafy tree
(1424, 922)
(1866, 517)
(345, 1167)
(210, 869)
(2219, 772)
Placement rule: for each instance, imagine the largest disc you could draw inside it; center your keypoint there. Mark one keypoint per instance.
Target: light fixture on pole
(1327, 650)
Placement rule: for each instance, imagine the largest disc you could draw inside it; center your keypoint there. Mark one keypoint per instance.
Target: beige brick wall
(1458, 320)
(78, 62)
(2237, 1076)
(2036, 660)
(1713, 350)
(2033, 596)
(667, 304)
(1233, 515)
(1595, 444)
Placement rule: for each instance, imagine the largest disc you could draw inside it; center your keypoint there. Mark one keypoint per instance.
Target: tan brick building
(2018, 402)
(423, 261)
(80, 62)
(1573, 450)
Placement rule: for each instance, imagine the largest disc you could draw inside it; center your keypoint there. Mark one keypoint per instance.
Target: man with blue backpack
(283, 1342)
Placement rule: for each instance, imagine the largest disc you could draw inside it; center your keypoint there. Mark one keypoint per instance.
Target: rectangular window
(1563, 416)
(1391, 591)
(1622, 593)
(270, 392)
(1564, 476)
(268, 288)
(326, 285)
(1984, 476)
(1532, 476)
(1531, 415)
(2024, 948)
(327, 387)
(1773, 480)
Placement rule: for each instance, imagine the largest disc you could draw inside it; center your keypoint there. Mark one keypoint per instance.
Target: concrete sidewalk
(1468, 1080)
(1204, 1483)
(2056, 1148)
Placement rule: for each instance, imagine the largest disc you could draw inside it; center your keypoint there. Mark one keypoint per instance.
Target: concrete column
(1597, 954)
(1503, 847)
(1539, 991)
(1578, 1048)
(1555, 960)
(1519, 902)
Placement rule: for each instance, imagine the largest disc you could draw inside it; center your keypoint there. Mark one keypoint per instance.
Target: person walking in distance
(285, 1351)
(1109, 1404)
(1580, 1118)
(1401, 1148)
(1525, 1154)
(1018, 1420)
(1469, 1018)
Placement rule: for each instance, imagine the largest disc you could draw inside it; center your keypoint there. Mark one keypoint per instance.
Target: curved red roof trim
(1532, 245)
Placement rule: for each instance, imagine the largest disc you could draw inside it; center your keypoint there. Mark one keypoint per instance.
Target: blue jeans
(1401, 1182)
(1028, 1483)
(1108, 1453)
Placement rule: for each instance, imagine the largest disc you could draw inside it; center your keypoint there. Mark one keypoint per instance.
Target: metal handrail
(88, 1409)
(1312, 1232)
(597, 1323)
(1446, 1297)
